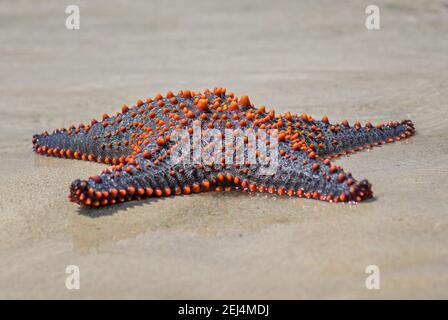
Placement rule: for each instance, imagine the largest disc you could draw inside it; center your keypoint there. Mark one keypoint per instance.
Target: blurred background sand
(312, 56)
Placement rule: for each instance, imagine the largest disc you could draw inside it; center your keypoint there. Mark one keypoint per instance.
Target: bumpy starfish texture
(136, 142)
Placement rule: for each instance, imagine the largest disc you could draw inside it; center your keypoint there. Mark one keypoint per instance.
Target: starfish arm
(345, 138)
(334, 139)
(140, 178)
(300, 176)
(106, 141)
(115, 137)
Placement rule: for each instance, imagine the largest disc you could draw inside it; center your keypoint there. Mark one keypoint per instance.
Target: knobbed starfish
(137, 143)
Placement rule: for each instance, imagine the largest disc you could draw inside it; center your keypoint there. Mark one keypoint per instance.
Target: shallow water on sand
(317, 58)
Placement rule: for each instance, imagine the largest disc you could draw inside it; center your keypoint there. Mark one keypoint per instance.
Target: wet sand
(315, 57)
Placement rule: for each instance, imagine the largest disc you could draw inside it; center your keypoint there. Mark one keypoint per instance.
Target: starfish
(137, 142)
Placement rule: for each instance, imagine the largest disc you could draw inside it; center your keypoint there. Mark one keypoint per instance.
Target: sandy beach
(299, 56)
